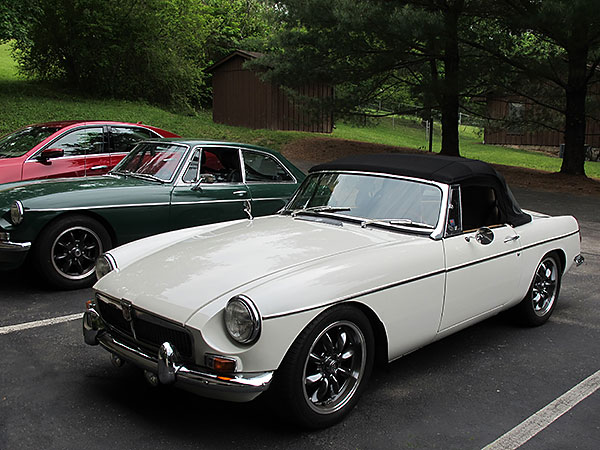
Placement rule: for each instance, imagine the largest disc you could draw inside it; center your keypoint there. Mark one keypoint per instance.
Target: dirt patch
(310, 151)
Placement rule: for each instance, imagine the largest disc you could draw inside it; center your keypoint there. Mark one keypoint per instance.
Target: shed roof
(242, 53)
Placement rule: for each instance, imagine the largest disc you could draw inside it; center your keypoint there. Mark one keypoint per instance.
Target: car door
(270, 183)
(75, 145)
(122, 139)
(482, 267)
(210, 189)
(97, 157)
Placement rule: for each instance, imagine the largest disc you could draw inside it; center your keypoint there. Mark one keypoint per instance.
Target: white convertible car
(374, 257)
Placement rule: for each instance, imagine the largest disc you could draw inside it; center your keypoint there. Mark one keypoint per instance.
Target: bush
(155, 50)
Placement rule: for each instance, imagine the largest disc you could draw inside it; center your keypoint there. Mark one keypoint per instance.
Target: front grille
(150, 330)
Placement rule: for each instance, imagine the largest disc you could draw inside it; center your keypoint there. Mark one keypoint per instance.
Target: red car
(69, 148)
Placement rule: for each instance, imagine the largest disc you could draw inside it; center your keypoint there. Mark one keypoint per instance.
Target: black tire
(65, 252)
(315, 367)
(539, 303)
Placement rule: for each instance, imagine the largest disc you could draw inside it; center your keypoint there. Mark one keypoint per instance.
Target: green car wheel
(67, 249)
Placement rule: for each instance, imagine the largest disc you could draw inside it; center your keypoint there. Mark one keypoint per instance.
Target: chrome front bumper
(238, 387)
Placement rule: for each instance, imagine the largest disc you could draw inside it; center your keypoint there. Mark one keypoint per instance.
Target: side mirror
(207, 178)
(484, 236)
(50, 153)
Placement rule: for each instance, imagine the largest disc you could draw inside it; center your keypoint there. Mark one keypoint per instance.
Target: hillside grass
(23, 102)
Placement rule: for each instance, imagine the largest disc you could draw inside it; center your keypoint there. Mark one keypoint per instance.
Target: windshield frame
(437, 233)
(184, 158)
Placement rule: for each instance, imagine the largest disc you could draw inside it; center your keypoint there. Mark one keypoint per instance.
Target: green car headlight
(104, 265)
(16, 212)
(242, 320)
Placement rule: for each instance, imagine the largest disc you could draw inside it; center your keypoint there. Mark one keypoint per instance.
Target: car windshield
(374, 199)
(152, 161)
(21, 141)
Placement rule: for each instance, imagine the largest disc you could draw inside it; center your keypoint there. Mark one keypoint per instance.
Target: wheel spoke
(317, 359)
(328, 343)
(312, 379)
(334, 385)
(321, 392)
(348, 354)
(341, 342)
(346, 373)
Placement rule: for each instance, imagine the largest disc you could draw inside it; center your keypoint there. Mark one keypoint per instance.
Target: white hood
(177, 280)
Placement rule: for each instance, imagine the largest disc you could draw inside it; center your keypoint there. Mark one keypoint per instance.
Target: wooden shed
(240, 98)
(512, 110)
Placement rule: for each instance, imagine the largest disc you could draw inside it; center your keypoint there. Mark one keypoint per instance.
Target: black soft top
(443, 169)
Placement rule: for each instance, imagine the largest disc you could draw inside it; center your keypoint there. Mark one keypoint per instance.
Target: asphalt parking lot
(463, 392)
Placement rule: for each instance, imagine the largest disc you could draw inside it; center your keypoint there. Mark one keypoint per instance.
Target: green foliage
(25, 102)
(155, 50)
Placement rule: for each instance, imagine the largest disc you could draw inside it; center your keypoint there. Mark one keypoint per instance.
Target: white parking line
(39, 323)
(545, 416)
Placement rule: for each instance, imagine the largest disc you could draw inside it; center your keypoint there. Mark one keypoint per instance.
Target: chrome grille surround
(141, 328)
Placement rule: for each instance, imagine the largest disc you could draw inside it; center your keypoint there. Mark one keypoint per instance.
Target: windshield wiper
(145, 176)
(405, 222)
(125, 173)
(320, 209)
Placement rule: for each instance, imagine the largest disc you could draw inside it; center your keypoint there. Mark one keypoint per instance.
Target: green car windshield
(152, 160)
(21, 141)
(370, 198)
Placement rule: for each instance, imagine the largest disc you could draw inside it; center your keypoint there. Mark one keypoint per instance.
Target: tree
(371, 49)
(550, 43)
(14, 16)
(142, 49)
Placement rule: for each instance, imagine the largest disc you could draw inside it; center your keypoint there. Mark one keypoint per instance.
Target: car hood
(70, 192)
(178, 280)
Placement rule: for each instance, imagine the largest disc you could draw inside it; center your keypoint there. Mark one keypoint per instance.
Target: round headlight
(16, 212)
(104, 265)
(242, 320)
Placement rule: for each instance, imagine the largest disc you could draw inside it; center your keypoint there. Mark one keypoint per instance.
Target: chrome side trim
(413, 279)
(79, 208)
(233, 200)
(579, 260)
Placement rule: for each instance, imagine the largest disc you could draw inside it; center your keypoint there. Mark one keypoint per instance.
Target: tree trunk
(450, 89)
(575, 121)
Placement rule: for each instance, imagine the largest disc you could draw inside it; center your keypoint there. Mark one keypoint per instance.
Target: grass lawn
(23, 102)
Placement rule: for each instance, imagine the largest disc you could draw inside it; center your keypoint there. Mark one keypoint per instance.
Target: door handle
(511, 238)
(239, 193)
(98, 167)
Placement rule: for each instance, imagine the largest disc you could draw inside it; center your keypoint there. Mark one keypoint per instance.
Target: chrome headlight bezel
(104, 265)
(242, 320)
(16, 212)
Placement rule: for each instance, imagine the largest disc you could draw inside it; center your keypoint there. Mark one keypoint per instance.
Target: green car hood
(76, 193)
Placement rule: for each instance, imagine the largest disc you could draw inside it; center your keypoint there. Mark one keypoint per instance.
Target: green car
(161, 185)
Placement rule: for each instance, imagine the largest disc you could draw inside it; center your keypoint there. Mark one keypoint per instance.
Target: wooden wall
(240, 98)
(499, 134)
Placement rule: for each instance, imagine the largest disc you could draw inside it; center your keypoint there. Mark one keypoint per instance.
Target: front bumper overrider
(12, 254)
(239, 387)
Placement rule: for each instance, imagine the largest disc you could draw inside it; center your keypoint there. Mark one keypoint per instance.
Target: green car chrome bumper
(12, 254)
